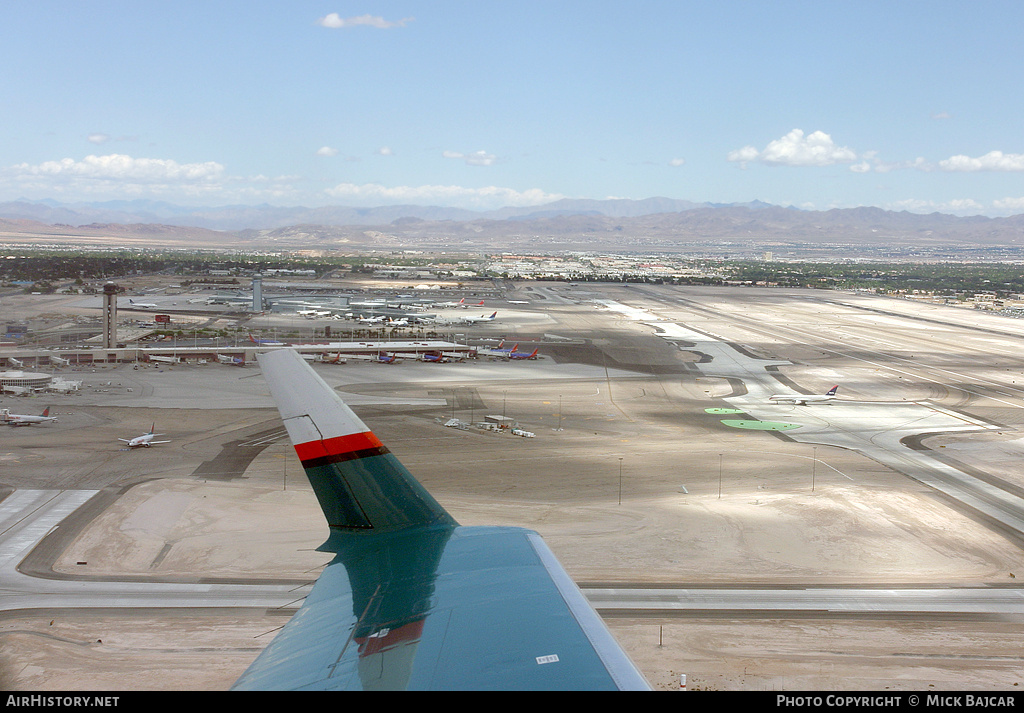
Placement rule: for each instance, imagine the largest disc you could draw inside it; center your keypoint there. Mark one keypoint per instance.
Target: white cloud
(119, 175)
(796, 149)
(677, 162)
(992, 161)
(477, 158)
(385, 151)
(119, 167)
(1010, 206)
(335, 21)
(98, 138)
(957, 206)
(326, 151)
(473, 198)
(871, 162)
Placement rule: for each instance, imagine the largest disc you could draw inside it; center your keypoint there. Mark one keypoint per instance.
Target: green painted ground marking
(723, 410)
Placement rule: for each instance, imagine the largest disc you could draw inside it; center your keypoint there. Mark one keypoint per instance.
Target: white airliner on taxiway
(143, 305)
(143, 441)
(804, 399)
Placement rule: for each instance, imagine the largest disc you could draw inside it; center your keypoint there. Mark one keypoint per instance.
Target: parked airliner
(19, 419)
(522, 355)
(266, 342)
(482, 318)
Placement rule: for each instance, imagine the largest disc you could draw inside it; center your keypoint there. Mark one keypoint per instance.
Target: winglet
(360, 485)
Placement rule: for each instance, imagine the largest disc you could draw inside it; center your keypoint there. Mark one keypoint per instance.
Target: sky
(903, 105)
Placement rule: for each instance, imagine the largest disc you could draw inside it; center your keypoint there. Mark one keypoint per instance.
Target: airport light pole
(620, 480)
(814, 465)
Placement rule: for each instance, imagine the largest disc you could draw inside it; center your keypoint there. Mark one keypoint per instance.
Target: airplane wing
(412, 600)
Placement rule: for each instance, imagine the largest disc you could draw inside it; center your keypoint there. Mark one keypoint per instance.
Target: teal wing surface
(412, 600)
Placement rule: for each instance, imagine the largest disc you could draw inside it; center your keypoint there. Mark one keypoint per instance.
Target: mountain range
(653, 223)
(268, 217)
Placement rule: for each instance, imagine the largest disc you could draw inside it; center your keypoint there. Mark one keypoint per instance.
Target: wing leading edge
(413, 600)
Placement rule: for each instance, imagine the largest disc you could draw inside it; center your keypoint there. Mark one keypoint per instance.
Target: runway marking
(264, 440)
(761, 425)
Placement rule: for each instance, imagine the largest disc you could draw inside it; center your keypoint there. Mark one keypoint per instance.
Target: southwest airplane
(330, 358)
(523, 355)
(145, 440)
(803, 400)
(412, 600)
(18, 419)
(232, 360)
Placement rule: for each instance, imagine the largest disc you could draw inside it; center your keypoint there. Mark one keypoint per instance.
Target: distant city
(994, 284)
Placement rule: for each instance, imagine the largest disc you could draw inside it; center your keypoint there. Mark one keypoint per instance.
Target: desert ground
(632, 478)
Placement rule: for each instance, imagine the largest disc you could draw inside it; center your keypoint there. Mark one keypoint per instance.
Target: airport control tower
(257, 293)
(110, 291)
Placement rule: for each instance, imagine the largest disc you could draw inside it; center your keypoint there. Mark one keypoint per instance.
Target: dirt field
(629, 480)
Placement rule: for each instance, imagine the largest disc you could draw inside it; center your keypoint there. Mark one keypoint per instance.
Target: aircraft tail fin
(360, 485)
(46, 412)
(833, 390)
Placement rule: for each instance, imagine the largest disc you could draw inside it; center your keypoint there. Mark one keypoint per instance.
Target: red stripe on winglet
(339, 445)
